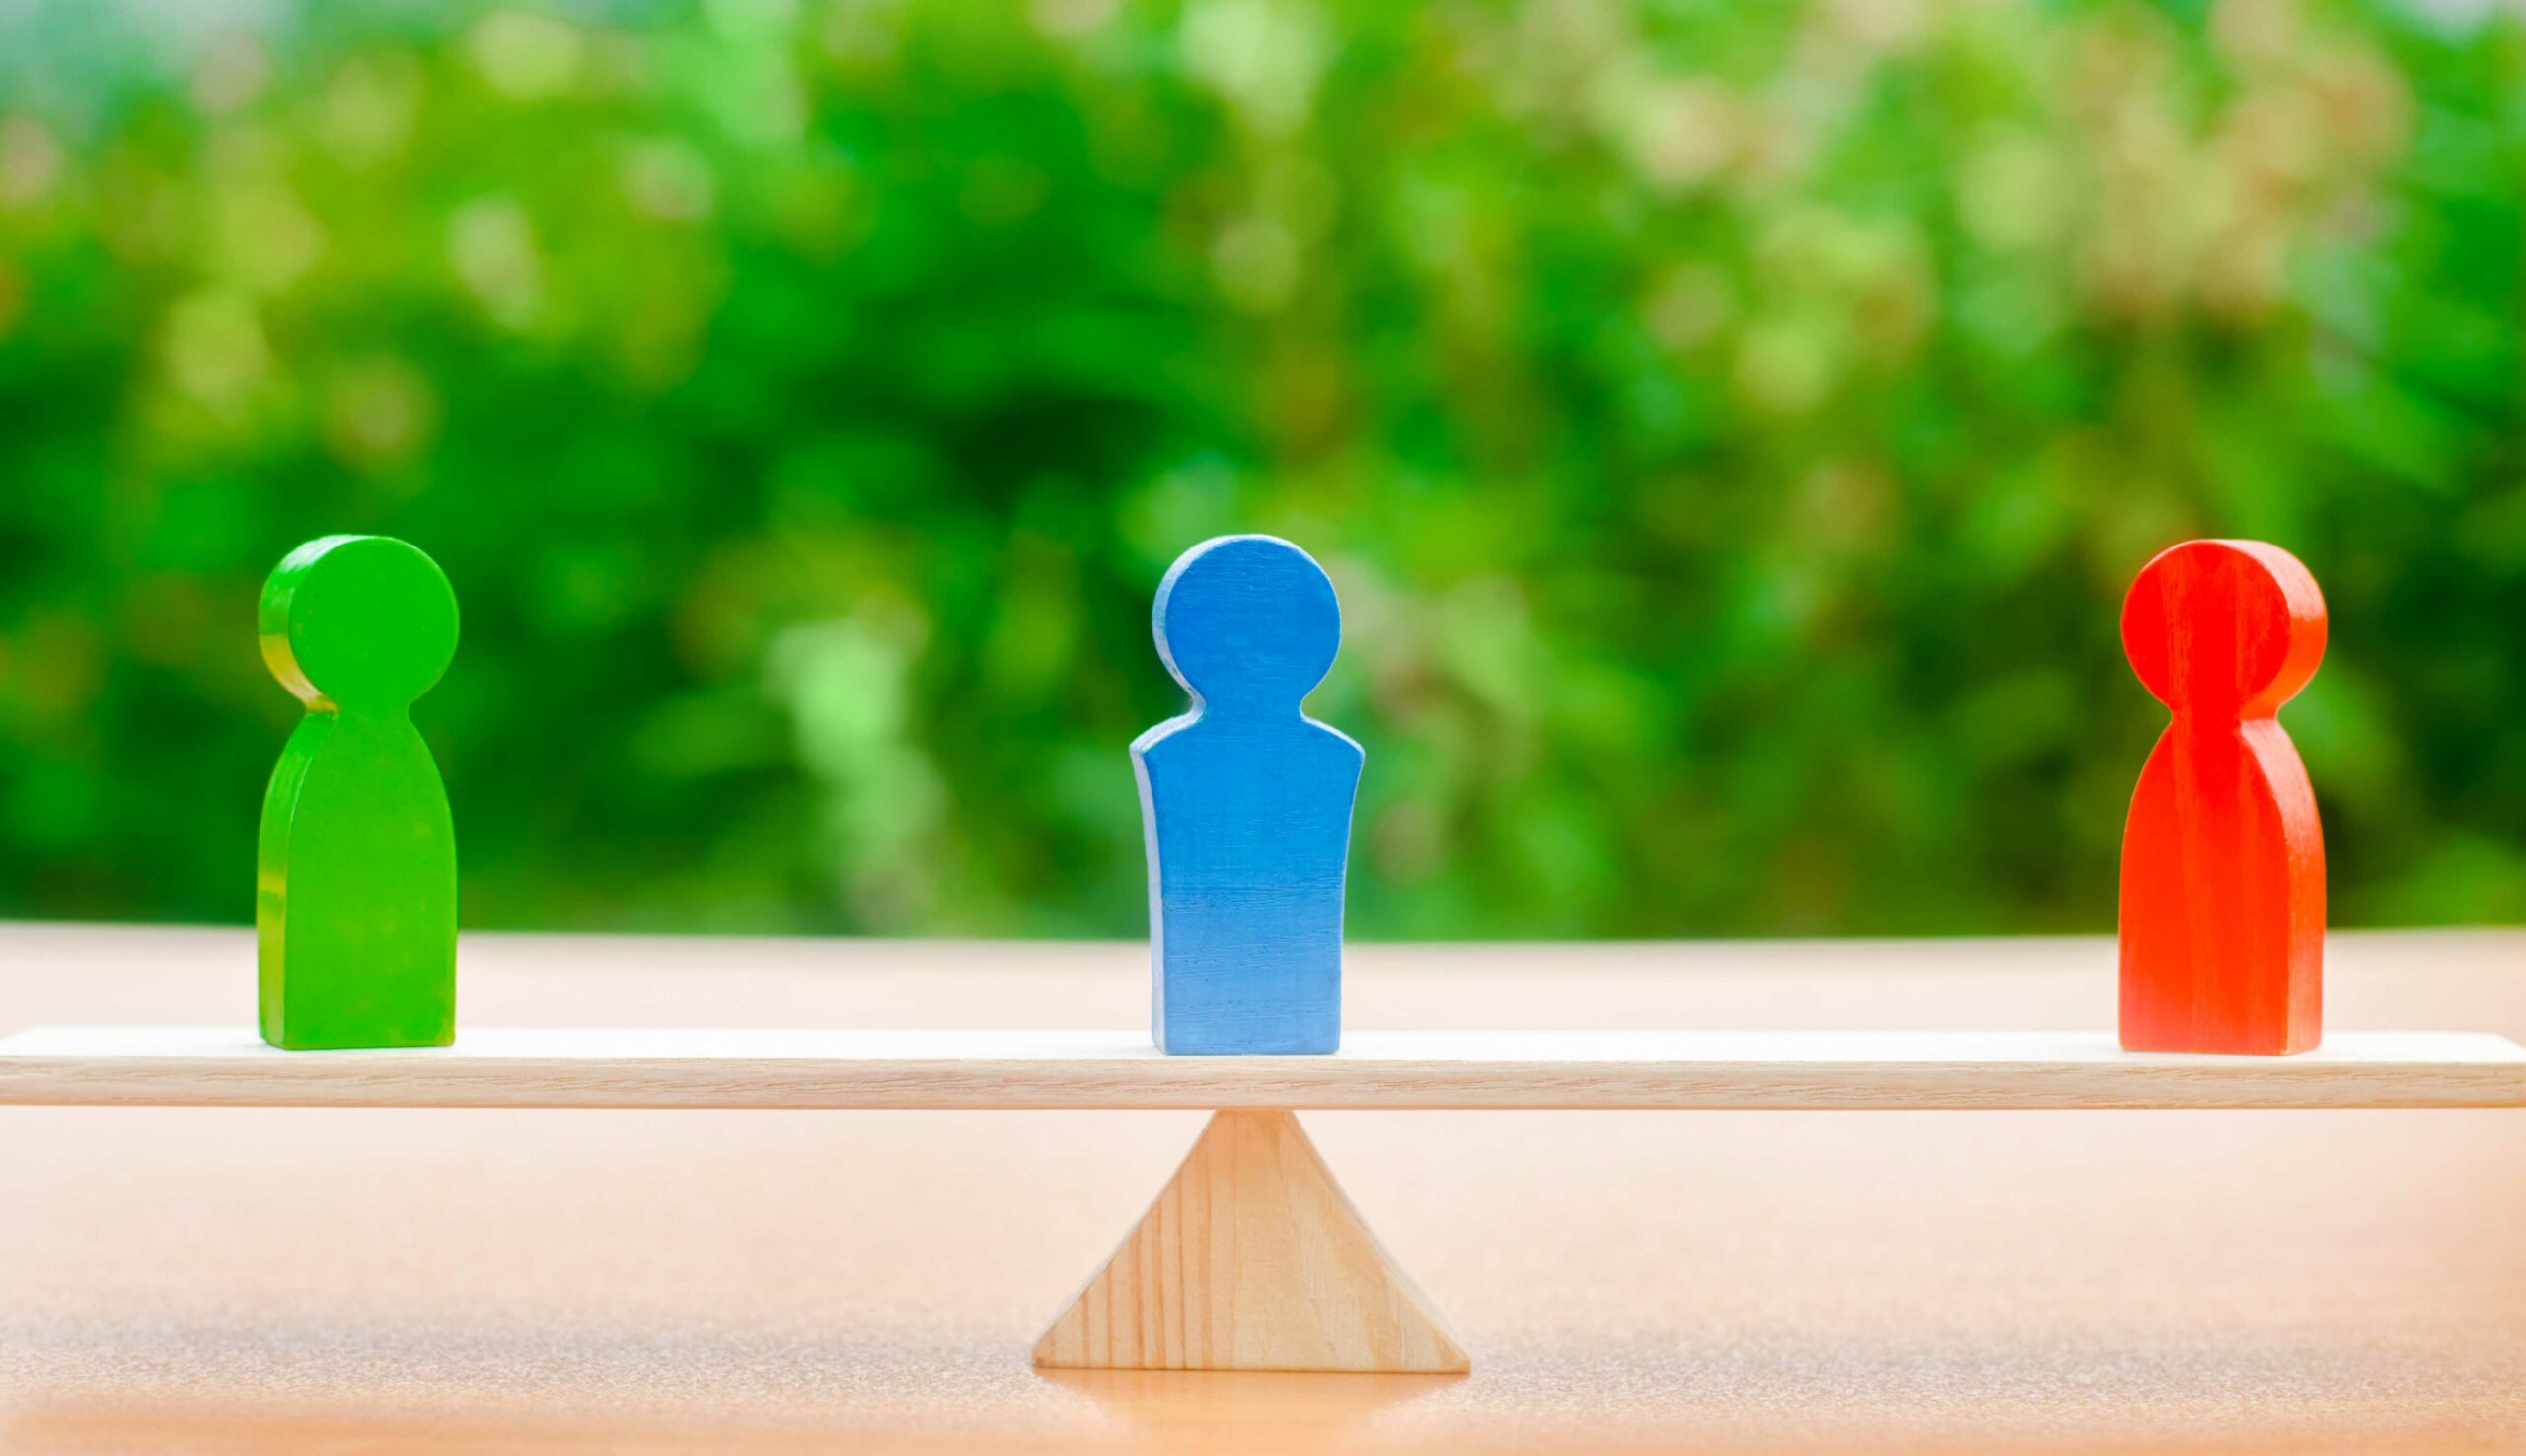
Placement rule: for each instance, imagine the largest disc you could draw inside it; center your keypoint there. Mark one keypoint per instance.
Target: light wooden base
(229, 1066)
(1252, 1259)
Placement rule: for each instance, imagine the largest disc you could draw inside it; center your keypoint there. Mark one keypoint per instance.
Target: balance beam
(1821, 1072)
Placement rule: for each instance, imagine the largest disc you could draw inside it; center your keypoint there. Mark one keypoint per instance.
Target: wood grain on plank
(1252, 1259)
(873, 1069)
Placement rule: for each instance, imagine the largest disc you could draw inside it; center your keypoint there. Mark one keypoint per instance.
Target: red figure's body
(2223, 861)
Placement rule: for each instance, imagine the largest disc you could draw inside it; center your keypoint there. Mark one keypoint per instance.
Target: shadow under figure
(1245, 805)
(355, 867)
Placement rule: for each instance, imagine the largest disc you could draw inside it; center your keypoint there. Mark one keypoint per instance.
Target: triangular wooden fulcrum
(1252, 1259)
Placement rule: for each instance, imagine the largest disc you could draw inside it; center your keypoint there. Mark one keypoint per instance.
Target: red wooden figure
(2223, 861)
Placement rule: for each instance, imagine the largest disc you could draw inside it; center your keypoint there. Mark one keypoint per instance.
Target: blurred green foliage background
(1731, 426)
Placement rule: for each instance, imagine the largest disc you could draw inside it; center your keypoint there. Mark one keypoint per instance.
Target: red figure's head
(2232, 628)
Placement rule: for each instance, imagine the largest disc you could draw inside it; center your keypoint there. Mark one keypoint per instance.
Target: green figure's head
(365, 623)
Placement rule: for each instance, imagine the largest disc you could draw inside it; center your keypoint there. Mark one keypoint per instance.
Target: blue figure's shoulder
(1189, 738)
(1158, 733)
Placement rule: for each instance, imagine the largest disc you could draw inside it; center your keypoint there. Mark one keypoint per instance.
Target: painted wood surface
(1245, 805)
(2223, 858)
(1252, 1259)
(355, 865)
(869, 1068)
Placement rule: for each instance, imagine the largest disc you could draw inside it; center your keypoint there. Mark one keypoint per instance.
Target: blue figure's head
(1247, 623)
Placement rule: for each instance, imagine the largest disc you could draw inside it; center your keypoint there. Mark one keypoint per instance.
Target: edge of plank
(226, 1066)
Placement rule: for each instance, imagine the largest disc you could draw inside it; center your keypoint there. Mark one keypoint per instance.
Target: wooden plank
(842, 1068)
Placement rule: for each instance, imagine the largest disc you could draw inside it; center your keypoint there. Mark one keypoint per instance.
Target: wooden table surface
(279, 1280)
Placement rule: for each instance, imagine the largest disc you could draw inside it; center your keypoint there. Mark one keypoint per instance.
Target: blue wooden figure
(1245, 805)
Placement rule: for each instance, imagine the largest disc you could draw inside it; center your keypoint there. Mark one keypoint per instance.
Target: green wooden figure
(355, 869)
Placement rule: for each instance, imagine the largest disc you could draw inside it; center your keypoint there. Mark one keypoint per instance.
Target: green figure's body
(355, 869)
